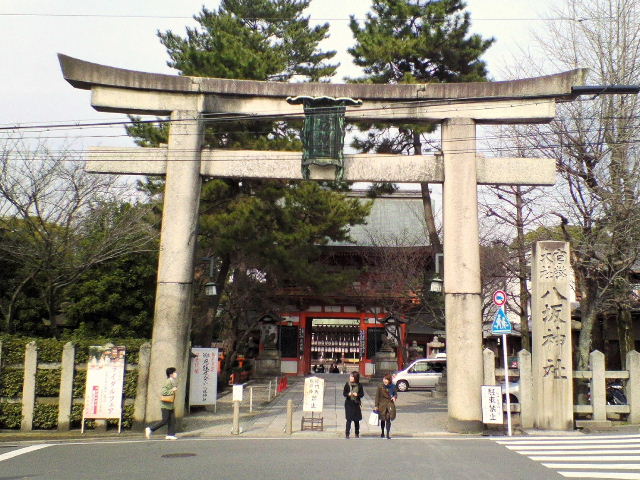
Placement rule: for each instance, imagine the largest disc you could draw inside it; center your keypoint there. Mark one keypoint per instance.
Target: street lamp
(436, 284)
(210, 289)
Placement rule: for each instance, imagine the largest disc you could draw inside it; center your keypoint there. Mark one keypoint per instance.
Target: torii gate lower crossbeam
(460, 170)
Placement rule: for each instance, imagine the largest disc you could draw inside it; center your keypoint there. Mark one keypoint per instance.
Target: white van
(422, 373)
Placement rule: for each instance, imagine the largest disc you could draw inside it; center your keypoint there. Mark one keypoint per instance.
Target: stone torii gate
(457, 107)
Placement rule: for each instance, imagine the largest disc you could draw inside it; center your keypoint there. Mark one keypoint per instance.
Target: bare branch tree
(595, 143)
(57, 221)
(396, 284)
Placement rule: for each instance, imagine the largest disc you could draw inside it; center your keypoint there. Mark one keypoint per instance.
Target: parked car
(422, 373)
(514, 392)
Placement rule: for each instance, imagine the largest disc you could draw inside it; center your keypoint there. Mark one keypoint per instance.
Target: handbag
(374, 419)
(168, 398)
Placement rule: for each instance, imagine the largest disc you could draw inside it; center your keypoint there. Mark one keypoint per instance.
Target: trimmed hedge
(45, 416)
(50, 349)
(48, 380)
(10, 415)
(11, 380)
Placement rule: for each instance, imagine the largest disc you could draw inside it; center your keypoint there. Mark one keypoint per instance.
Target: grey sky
(33, 89)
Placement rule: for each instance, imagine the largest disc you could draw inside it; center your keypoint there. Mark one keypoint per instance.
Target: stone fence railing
(597, 376)
(65, 400)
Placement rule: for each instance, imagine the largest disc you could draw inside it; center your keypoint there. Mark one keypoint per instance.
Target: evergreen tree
(263, 233)
(414, 41)
(254, 40)
(417, 41)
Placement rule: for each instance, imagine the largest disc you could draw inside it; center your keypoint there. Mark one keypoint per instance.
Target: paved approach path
(419, 413)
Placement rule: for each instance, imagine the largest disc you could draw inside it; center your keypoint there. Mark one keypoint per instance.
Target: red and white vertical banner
(203, 378)
(105, 378)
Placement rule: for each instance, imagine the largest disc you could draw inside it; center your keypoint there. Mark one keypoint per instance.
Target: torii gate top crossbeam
(160, 94)
(83, 74)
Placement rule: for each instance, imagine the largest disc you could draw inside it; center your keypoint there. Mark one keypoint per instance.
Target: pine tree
(264, 233)
(414, 41)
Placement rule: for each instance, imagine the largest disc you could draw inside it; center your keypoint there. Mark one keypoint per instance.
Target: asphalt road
(367, 458)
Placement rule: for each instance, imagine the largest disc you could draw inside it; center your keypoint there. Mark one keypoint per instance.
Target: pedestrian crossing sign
(501, 324)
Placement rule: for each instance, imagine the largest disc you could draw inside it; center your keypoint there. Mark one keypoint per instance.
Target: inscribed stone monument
(551, 335)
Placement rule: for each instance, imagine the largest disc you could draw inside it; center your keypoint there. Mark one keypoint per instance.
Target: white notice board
(492, 404)
(105, 377)
(237, 393)
(313, 395)
(203, 376)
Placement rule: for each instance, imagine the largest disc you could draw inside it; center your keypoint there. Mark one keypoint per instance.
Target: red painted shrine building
(389, 257)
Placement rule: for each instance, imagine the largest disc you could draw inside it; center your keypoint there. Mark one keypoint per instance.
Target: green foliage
(11, 380)
(279, 230)
(10, 415)
(48, 250)
(148, 134)
(263, 226)
(247, 39)
(48, 382)
(45, 416)
(79, 383)
(252, 39)
(114, 299)
(127, 418)
(409, 41)
(553, 233)
(50, 350)
(75, 418)
(130, 383)
(13, 349)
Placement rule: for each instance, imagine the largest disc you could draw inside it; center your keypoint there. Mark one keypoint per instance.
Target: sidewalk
(418, 413)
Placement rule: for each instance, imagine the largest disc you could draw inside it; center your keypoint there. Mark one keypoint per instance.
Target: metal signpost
(502, 326)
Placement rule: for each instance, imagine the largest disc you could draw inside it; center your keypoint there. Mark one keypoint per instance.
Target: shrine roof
(85, 75)
(394, 221)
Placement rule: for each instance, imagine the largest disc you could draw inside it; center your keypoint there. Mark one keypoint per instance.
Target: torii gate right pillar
(462, 289)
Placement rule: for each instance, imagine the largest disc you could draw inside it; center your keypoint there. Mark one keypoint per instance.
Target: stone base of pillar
(464, 426)
(386, 362)
(594, 425)
(267, 364)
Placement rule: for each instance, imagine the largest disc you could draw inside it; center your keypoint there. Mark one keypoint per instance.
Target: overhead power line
(324, 19)
(519, 133)
(228, 117)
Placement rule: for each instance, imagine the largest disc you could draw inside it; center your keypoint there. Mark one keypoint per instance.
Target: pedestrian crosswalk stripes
(600, 456)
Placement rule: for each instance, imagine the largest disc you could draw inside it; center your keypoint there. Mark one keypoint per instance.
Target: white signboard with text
(237, 393)
(203, 376)
(492, 404)
(105, 377)
(313, 395)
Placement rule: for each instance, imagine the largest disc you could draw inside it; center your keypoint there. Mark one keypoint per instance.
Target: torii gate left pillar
(174, 290)
(460, 107)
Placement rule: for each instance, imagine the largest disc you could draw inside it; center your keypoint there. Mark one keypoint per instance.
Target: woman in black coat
(353, 393)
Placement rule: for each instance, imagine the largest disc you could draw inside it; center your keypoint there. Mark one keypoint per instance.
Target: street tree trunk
(625, 334)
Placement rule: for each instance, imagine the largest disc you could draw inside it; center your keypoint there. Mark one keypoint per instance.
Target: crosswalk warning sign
(501, 324)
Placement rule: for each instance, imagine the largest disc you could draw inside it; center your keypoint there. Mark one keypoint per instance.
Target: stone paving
(419, 413)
